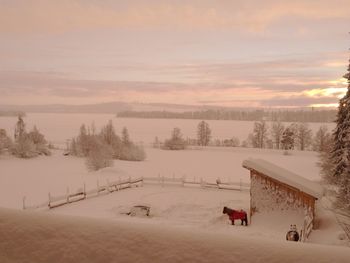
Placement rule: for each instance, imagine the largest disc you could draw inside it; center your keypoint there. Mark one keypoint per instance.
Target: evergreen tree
(341, 148)
(288, 139)
(125, 137)
(203, 133)
(20, 129)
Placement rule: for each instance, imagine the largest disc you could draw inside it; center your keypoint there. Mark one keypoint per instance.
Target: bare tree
(259, 134)
(277, 129)
(203, 133)
(303, 136)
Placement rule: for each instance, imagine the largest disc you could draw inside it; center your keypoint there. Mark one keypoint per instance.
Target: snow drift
(41, 237)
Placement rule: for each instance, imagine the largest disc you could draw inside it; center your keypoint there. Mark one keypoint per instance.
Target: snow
(280, 174)
(39, 237)
(184, 224)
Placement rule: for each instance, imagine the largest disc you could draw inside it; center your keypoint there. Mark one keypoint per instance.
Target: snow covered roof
(284, 176)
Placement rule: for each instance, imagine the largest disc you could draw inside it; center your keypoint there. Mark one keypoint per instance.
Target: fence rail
(83, 193)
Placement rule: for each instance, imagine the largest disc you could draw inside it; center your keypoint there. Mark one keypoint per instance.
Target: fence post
(24, 202)
(130, 181)
(84, 189)
(67, 195)
(108, 188)
(98, 187)
(49, 204)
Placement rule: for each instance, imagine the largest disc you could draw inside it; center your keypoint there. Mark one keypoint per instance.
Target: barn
(275, 188)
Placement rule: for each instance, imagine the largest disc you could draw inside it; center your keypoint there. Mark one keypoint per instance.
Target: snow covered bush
(100, 154)
(132, 152)
(100, 149)
(28, 145)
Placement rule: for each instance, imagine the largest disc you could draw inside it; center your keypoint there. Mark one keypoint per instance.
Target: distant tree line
(24, 144)
(4, 113)
(295, 136)
(311, 115)
(101, 148)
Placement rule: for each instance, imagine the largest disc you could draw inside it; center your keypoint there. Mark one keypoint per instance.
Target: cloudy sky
(223, 52)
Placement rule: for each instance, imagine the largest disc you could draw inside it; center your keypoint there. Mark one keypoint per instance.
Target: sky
(248, 53)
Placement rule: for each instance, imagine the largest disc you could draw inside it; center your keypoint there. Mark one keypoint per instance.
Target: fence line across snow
(84, 193)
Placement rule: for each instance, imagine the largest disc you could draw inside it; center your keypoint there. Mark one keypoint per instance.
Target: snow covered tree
(287, 141)
(303, 136)
(176, 142)
(111, 138)
(100, 154)
(125, 136)
(322, 139)
(277, 129)
(5, 141)
(23, 146)
(20, 129)
(203, 133)
(259, 134)
(341, 148)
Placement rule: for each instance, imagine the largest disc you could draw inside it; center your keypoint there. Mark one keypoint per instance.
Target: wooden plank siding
(298, 195)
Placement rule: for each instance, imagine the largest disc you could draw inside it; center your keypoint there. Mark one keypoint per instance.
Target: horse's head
(225, 210)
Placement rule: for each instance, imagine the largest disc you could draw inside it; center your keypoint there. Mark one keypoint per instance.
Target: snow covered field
(192, 216)
(28, 237)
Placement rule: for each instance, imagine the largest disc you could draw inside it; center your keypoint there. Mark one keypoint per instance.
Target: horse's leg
(233, 221)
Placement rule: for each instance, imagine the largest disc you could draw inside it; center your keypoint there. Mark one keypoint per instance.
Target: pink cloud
(67, 15)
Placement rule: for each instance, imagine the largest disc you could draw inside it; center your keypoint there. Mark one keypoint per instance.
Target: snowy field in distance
(58, 127)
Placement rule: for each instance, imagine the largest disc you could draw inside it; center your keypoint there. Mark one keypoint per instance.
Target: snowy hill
(32, 237)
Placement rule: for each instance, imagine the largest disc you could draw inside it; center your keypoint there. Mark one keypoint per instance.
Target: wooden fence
(84, 193)
(307, 227)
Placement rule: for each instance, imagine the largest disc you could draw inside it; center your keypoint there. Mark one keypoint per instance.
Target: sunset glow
(226, 53)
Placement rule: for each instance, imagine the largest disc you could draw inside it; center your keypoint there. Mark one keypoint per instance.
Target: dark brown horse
(235, 214)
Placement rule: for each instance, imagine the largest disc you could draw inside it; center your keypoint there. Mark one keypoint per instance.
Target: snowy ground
(28, 237)
(181, 218)
(184, 207)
